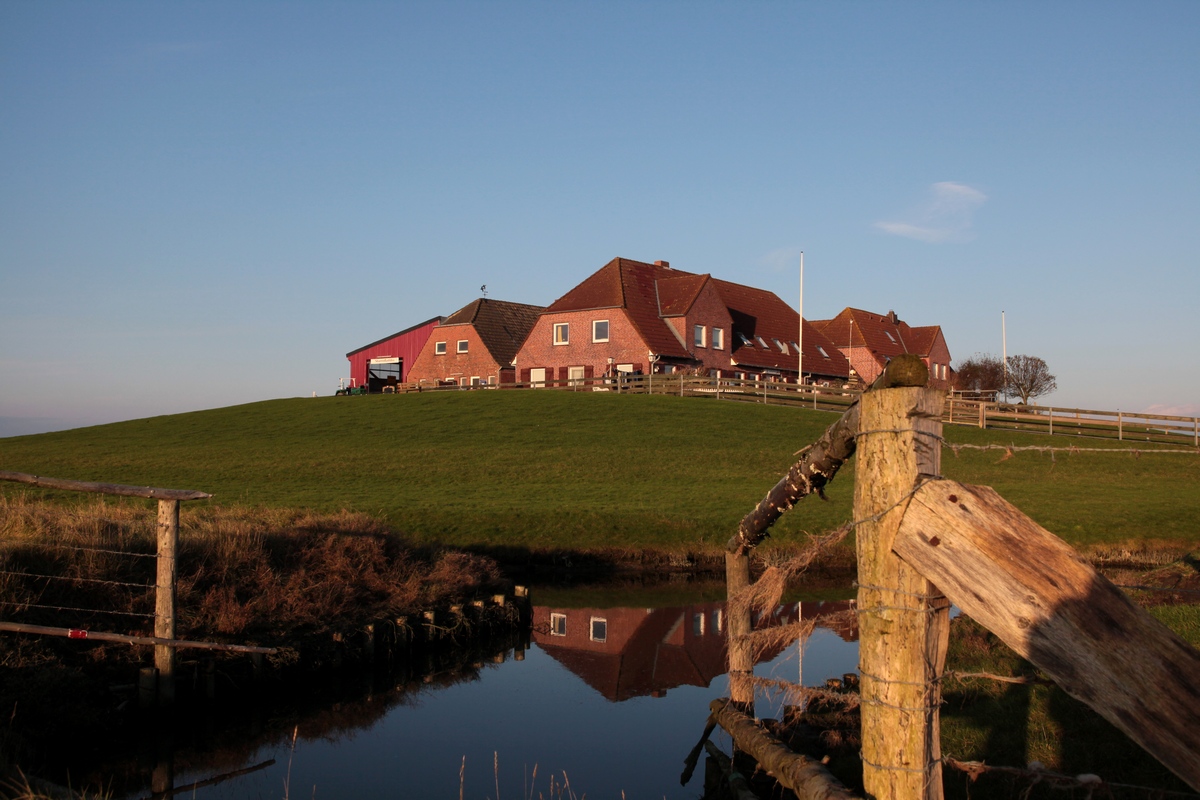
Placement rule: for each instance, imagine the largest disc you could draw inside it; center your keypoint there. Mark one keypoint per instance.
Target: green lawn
(548, 469)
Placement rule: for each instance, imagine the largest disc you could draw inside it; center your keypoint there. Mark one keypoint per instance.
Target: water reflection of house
(635, 652)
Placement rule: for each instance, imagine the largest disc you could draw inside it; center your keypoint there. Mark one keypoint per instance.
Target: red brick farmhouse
(631, 316)
(475, 345)
(869, 340)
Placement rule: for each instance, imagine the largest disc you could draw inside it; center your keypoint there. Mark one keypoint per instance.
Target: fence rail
(1120, 425)
(164, 640)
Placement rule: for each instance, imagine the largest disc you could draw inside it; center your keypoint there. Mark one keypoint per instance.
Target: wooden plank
(100, 636)
(103, 488)
(904, 622)
(1038, 595)
(807, 777)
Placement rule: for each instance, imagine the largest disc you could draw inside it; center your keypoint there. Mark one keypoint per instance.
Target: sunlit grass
(547, 470)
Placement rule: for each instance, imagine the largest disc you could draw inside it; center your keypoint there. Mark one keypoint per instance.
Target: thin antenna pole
(800, 340)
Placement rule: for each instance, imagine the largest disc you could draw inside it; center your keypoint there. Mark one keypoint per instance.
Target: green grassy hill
(544, 470)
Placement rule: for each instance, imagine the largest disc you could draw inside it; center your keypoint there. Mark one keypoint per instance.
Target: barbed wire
(80, 548)
(80, 580)
(72, 608)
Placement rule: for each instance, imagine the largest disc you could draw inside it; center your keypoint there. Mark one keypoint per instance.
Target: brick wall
(624, 345)
(476, 362)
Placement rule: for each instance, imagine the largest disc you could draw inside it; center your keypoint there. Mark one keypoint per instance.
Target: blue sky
(205, 204)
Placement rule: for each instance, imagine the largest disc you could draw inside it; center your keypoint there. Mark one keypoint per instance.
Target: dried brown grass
(262, 574)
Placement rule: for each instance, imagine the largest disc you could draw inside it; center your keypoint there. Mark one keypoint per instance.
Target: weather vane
(483, 289)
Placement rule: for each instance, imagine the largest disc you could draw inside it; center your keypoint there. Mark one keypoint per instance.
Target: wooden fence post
(741, 662)
(164, 605)
(903, 619)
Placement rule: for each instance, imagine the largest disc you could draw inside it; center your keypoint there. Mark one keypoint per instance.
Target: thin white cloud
(781, 258)
(946, 216)
(1185, 410)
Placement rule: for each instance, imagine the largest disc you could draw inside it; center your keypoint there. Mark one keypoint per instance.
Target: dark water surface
(609, 698)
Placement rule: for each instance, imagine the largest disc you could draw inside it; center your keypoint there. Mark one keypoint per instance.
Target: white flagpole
(800, 340)
(1004, 353)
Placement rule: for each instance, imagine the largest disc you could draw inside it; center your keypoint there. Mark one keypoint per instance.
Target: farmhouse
(389, 361)
(631, 316)
(475, 345)
(869, 340)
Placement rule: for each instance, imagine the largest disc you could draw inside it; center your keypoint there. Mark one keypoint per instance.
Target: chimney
(892, 318)
(665, 264)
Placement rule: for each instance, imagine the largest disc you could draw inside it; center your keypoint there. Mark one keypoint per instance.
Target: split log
(1035, 592)
(820, 462)
(808, 778)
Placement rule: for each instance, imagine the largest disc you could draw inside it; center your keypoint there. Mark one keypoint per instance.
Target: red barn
(388, 361)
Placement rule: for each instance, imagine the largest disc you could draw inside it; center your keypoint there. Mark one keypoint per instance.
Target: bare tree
(982, 372)
(1029, 377)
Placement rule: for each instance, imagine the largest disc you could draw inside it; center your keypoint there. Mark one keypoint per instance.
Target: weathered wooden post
(164, 605)
(903, 618)
(741, 661)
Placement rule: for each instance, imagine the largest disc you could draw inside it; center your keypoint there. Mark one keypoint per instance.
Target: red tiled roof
(885, 335)
(501, 325)
(676, 294)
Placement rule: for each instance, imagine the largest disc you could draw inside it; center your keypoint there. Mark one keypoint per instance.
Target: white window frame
(699, 623)
(821, 350)
(439, 348)
(562, 333)
(475, 381)
(595, 337)
(782, 347)
(718, 338)
(462, 346)
(558, 624)
(699, 336)
(535, 382)
(763, 343)
(576, 376)
(592, 629)
(626, 368)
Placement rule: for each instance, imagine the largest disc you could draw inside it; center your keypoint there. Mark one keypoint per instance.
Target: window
(558, 624)
(717, 620)
(475, 381)
(537, 378)
(575, 375)
(562, 333)
(795, 347)
(889, 335)
(742, 336)
(762, 342)
(462, 345)
(439, 348)
(821, 350)
(718, 338)
(491, 380)
(624, 367)
(782, 347)
(600, 330)
(699, 336)
(698, 623)
(599, 631)
(462, 382)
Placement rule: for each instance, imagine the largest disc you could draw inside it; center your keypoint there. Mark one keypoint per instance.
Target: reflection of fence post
(164, 606)
(741, 661)
(903, 619)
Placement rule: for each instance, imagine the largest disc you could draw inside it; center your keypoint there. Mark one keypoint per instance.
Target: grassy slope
(580, 470)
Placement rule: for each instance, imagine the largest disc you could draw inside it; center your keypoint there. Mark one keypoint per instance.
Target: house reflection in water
(635, 652)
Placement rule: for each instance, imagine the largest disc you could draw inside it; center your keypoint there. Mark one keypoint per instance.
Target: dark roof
(502, 326)
(885, 335)
(759, 313)
(394, 335)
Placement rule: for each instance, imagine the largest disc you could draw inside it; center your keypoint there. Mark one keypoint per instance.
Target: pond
(607, 696)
